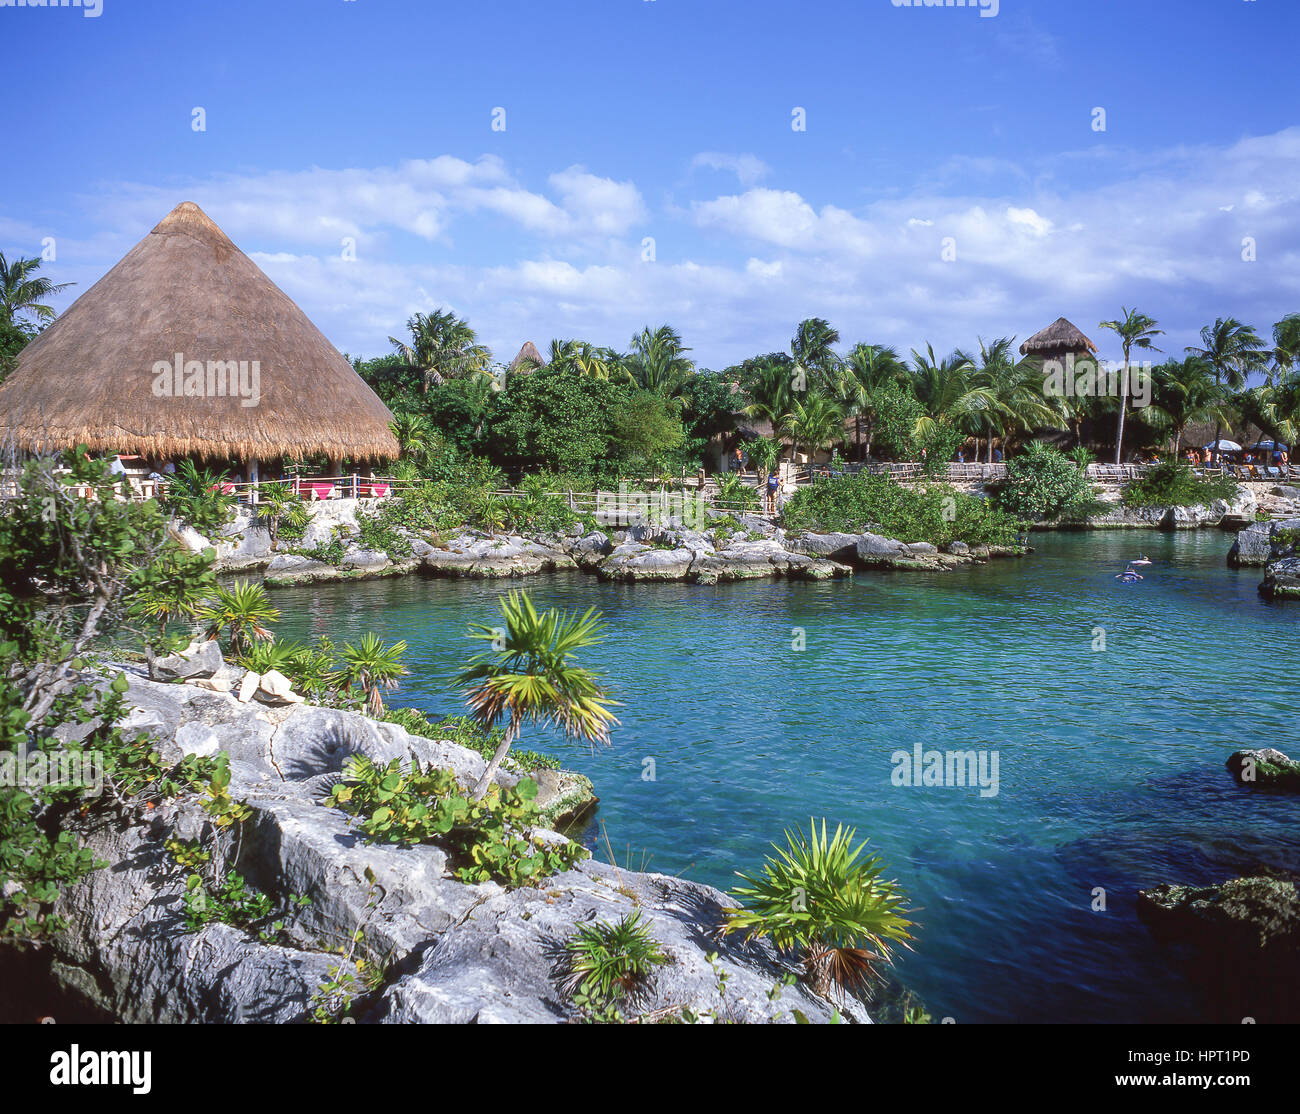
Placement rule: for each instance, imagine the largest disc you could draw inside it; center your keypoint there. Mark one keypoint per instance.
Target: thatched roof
(1059, 337)
(528, 358)
(91, 378)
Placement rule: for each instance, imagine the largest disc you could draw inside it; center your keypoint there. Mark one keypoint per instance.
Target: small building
(186, 349)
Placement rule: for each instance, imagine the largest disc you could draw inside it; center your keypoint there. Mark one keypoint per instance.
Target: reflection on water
(1111, 763)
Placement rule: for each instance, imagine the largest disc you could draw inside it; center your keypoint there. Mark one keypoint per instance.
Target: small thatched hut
(529, 359)
(186, 349)
(1059, 339)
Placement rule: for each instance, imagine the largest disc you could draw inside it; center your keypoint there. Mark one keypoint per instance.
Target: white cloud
(749, 169)
(1161, 230)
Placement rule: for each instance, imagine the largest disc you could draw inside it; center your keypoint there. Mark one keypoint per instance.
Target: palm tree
(813, 420)
(372, 667)
(658, 362)
(528, 674)
(20, 292)
(947, 391)
(1135, 331)
(443, 346)
(413, 432)
(770, 391)
(1013, 393)
(1233, 350)
(867, 369)
(591, 360)
(241, 611)
(812, 348)
(1185, 392)
(1286, 346)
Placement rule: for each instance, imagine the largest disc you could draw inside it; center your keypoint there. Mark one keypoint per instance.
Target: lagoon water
(1110, 762)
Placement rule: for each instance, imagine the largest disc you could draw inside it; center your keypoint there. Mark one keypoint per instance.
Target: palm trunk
(481, 786)
(1218, 424)
(1123, 405)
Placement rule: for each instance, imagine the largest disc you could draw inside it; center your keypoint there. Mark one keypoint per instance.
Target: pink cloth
(321, 490)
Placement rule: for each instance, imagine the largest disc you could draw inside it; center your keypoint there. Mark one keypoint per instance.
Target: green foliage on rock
(488, 839)
(934, 513)
(610, 962)
(1174, 484)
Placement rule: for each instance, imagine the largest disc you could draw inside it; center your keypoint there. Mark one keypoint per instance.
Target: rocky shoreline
(744, 548)
(449, 951)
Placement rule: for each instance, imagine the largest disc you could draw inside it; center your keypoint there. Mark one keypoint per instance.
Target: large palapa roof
(1060, 336)
(186, 289)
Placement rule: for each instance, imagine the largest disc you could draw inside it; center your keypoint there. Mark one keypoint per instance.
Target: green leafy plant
(282, 512)
(821, 899)
(1043, 483)
(1173, 484)
(609, 962)
(194, 495)
(934, 513)
(488, 839)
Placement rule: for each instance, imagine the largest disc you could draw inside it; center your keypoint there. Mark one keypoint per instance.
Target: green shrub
(1173, 484)
(376, 531)
(934, 513)
(816, 897)
(488, 840)
(1043, 483)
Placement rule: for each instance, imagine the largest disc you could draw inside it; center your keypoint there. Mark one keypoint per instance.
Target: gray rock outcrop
(450, 951)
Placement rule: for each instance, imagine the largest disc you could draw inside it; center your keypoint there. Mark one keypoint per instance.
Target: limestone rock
(199, 659)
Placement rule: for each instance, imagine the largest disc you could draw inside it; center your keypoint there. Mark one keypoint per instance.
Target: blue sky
(371, 120)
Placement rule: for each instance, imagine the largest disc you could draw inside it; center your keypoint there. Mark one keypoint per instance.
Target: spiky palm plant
(610, 961)
(443, 346)
(1135, 330)
(373, 668)
(814, 421)
(529, 675)
(242, 612)
(819, 898)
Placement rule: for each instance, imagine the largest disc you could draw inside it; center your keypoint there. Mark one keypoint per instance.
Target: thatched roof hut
(1060, 338)
(528, 359)
(186, 348)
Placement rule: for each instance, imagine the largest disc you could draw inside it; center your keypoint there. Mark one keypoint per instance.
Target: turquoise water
(1111, 767)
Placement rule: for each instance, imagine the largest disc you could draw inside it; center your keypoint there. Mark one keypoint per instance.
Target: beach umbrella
(1223, 446)
(1270, 446)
